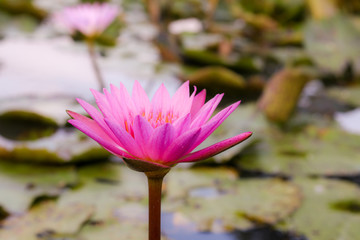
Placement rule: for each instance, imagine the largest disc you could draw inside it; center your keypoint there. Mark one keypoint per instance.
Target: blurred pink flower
(162, 132)
(89, 19)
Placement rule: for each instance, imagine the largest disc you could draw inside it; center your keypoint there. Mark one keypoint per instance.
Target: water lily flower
(89, 19)
(153, 135)
(161, 132)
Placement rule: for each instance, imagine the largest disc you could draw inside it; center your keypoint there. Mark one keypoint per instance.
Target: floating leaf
(215, 78)
(350, 95)
(20, 184)
(243, 203)
(332, 43)
(282, 93)
(51, 111)
(43, 218)
(62, 147)
(330, 210)
(314, 151)
(106, 187)
(180, 181)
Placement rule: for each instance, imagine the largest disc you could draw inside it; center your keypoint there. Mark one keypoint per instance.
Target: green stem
(155, 184)
(91, 49)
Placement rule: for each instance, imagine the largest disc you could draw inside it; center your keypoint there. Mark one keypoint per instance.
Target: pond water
(188, 232)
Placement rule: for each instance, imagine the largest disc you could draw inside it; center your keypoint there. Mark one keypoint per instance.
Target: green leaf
(332, 43)
(313, 151)
(235, 204)
(330, 210)
(43, 218)
(20, 184)
(106, 187)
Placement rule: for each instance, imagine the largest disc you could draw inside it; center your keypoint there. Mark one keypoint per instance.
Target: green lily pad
(332, 43)
(114, 230)
(215, 78)
(43, 218)
(330, 210)
(20, 184)
(106, 187)
(227, 203)
(350, 95)
(179, 182)
(51, 111)
(62, 147)
(314, 151)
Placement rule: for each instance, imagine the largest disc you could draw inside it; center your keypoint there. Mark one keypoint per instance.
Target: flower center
(159, 118)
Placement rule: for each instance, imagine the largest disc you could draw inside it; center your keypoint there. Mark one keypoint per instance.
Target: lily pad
(20, 184)
(330, 210)
(62, 147)
(179, 182)
(241, 204)
(106, 187)
(350, 95)
(332, 42)
(215, 78)
(314, 151)
(50, 110)
(244, 203)
(114, 230)
(45, 217)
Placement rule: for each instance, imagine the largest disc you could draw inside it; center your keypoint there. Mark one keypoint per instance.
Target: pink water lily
(162, 131)
(89, 19)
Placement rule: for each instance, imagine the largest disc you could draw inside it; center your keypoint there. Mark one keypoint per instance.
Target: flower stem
(91, 49)
(155, 185)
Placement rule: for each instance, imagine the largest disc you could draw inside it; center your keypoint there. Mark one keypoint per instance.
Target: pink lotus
(160, 132)
(89, 19)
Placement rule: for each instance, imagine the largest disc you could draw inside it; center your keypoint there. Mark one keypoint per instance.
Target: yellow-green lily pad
(235, 204)
(106, 187)
(20, 184)
(330, 210)
(350, 95)
(43, 218)
(314, 151)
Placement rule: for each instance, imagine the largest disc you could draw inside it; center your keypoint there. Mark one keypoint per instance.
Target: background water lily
(89, 19)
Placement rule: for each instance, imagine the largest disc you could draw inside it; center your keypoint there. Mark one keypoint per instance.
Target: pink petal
(142, 132)
(216, 148)
(181, 102)
(206, 111)
(214, 123)
(102, 103)
(161, 100)
(98, 117)
(90, 128)
(182, 124)
(140, 99)
(181, 146)
(125, 139)
(162, 137)
(198, 102)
